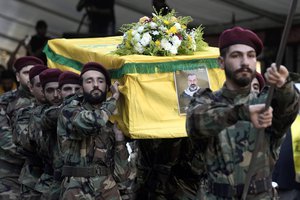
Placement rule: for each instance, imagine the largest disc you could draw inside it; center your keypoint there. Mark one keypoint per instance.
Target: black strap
(228, 191)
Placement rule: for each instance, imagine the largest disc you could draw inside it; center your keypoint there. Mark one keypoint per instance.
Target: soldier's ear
(30, 86)
(221, 62)
(18, 76)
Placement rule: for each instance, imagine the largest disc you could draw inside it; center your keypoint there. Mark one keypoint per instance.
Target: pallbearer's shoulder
(9, 96)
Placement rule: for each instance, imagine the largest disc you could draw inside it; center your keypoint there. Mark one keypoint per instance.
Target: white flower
(192, 34)
(137, 37)
(140, 29)
(153, 25)
(162, 28)
(146, 38)
(173, 50)
(138, 47)
(155, 33)
(165, 44)
(172, 46)
(178, 26)
(133, 32)
(176, 41)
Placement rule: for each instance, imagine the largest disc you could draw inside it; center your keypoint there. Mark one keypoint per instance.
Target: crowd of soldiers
(50, 126)
(57, 141)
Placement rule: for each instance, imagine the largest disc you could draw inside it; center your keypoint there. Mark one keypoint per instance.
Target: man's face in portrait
(192, 82)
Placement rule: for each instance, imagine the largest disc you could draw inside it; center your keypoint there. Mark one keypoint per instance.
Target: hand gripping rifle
(260, 135)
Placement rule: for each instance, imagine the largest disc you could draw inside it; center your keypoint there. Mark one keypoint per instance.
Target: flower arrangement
(161, 36)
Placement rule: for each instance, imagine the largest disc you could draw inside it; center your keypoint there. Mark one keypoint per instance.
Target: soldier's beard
(94, 99)
(242, 81)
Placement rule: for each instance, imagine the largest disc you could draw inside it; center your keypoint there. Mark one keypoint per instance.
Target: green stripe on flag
(140, 68)
(163, 67)
(56, 58)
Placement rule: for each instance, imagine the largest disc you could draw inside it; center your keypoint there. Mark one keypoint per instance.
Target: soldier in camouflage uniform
(32, 168)
(93, 150)
(45, 137)
(10, 160)
(69, 85)
(225, 123)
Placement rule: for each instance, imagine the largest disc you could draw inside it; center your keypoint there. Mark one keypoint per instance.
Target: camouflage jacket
(27, 146)
(21, 136)
(10, 102)
(35, 127)
(48, 142)
(86, 138)
(219, 127)
(47, 146)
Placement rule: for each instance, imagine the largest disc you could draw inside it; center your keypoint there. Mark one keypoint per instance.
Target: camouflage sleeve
(49, 118)
(285, 104)
(6, 139)
(86, 122)
(121, 167)
(62, 142)
(21, 136)
(66, 133)
(5, 130)
(206, 116)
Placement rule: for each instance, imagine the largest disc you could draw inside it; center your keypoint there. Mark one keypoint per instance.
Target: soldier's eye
(67, 88)
(49, 90)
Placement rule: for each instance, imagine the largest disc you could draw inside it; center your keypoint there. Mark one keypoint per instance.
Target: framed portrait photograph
(187, 82)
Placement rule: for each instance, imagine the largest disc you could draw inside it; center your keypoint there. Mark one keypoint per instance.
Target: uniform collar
(234, 93)
(89, 106)
(24, 91)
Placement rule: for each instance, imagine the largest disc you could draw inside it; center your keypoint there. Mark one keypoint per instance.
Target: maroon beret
(261, 80)
(49, 75)
(25, 61)
(97, 67)
(36, 70)
(68, 77)
(238, 35)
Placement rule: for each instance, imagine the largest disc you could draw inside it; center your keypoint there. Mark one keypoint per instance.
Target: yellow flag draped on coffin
(148, 107)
